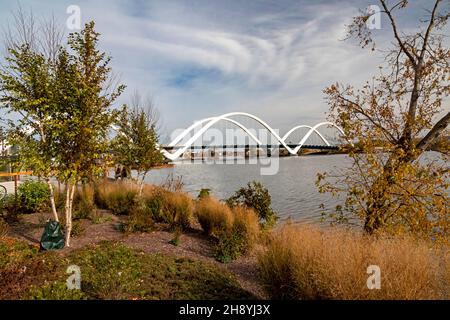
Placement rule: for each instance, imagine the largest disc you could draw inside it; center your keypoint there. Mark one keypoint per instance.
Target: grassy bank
(110, 271)
(305, 262)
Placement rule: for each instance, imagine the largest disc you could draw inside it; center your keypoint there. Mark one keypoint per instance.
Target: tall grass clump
(119, 197)
(214, 217)
(178, 210)
(241, 237)
(158, 205)
(305, 262)
(235, 229)
(83, 202)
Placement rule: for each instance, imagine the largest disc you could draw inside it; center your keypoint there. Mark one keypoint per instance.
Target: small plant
(33, 196)
(173, 183)
(176, 237)
(256, 197)
(204, 193)
(155, 200)
(98, 218)
(78, 229)
(55, 291)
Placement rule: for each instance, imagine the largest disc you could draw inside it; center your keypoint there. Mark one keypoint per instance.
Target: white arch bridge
(175, 150)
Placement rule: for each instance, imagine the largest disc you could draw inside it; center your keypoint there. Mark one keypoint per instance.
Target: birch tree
(26, 82)
(85, 99)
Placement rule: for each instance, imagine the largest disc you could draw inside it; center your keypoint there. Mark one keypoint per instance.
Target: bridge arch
(213, 121)
(198, 123)
(309, 127)
(314, 128)
(209, 122)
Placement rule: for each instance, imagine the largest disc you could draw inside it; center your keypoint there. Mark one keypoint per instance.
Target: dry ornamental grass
(304, 262)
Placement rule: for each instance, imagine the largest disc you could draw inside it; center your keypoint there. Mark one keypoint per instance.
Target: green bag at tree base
(53, 237)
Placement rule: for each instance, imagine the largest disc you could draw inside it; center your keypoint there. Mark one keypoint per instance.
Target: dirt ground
(193, 244)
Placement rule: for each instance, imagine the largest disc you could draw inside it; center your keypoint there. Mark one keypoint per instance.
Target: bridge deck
(271, 146)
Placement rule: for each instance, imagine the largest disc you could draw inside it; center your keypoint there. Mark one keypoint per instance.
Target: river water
(293, 190)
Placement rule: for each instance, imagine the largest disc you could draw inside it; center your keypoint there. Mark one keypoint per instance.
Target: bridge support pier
(224, 151)
(247, 151)
(203, 153)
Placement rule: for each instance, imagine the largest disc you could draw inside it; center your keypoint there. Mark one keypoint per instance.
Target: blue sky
(202, 58)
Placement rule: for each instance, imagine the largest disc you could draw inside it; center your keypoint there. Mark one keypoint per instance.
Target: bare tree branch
(396, 35)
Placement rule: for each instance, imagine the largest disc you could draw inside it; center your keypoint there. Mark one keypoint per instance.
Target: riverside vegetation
(293, 261)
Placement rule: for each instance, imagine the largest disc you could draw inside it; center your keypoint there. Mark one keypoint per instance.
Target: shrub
(236, 229)
(305, 262)
(178, 210)
(8, 207)
(141, 218)
(33, 196)
(256, 197)
(83, 203)
(242, 236)
(204, 193)
(214, 217)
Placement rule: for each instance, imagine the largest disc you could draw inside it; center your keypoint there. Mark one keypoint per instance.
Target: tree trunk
(52, 199)
(376, 205)
(69, 201)
(141, 185)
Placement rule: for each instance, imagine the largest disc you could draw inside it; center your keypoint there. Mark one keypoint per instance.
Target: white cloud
(271, 58)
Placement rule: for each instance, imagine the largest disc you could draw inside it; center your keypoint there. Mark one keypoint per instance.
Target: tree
(396, 117)
(65, 108)
(26, 83)
(136, 143)
(83, 112)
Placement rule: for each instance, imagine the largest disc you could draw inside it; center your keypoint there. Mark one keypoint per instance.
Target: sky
(199, 58)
